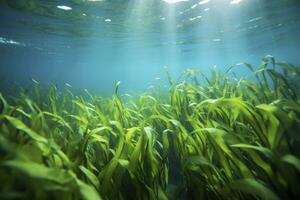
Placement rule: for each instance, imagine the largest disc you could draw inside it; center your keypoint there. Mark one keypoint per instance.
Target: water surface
(92, 43)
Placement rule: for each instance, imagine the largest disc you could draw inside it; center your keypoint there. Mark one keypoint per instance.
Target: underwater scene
(149, 99)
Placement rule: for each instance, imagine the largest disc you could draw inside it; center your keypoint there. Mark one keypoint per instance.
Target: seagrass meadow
(206, 137)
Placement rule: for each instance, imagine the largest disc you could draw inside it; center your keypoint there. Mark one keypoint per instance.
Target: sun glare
(174, 1)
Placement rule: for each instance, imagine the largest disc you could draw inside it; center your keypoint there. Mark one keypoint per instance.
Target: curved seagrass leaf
(193, 162)
(18, 124)
(130, 133)
(240, 64)
(87, 192)
(282, 82)
(59, 176)
(267, 152)
(273, 127)
(91, 176)
(117, 84)
(39, 171)
(59, 120)
(294, 70)
(250, 187)
(3, 105)
(293, 160)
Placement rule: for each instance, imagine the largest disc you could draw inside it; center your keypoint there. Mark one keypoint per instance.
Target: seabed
(215, 137)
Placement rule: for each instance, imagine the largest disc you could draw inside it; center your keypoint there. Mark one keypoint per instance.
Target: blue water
(92, 44)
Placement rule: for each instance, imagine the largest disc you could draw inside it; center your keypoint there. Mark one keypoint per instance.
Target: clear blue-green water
(191, 119)
(90, 44)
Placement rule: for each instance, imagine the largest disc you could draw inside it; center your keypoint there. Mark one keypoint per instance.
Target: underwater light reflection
(214, 39)
(136, 38)
(235, 1)
(62, 7)
(174, 1)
